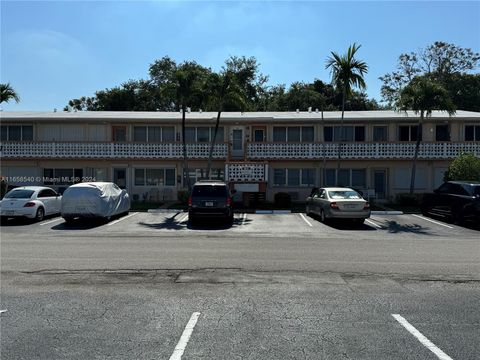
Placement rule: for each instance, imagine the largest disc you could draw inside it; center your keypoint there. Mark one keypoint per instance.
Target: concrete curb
(273, 212)
(165, 210)
(385, 212)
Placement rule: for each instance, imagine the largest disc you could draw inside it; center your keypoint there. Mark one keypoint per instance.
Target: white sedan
(338, 203)
(33, 202)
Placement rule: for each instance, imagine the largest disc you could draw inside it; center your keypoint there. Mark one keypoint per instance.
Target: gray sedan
(338, 203)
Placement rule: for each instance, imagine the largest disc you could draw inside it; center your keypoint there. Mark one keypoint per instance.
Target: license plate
(80, 208)
(350, 206)
(208, 203)
(9, 212)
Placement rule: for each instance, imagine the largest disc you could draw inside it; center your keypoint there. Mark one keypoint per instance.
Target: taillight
(334, 205)
(190, 201)
(367, 206)
(229, 201)
(29, 204)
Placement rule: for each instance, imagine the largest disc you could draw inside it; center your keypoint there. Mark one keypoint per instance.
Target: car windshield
(210, 190)
(344, 194)
(19, 194)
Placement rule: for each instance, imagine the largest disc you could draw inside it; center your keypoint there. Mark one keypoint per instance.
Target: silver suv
(210, 199)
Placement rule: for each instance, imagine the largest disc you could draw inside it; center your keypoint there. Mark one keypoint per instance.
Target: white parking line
(433, 221)
(304, 218)
(51, 221)
(244, 217)
(2, 311)
(183, 218)
(425, 342)
(372, 223)
(122, 218)
(182, 343)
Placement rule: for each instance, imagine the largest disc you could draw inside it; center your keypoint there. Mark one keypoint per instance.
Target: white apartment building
(258, 153)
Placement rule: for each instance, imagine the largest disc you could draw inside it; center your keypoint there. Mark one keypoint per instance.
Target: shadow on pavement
(21, 221)
(344, 224)
(394, 227)
(80, 224)
(174, 223)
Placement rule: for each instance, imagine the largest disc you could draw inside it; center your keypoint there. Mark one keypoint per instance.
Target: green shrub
(282, 199)
(183, 196)
(465, 167)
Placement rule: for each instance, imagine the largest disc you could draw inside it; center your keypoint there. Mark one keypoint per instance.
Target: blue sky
(53, 51)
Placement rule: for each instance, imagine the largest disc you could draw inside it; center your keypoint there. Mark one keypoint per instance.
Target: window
(472, 132)
(47, 193)
(62, 176)
(408, 133)
(293, 133)
(203, 134)
(153, 134)
(350, 133)
(279, 177)
(199, 174)
(355, 178)
(17, 132)
(294, 177)
(154, 177)
(308, 177)
(442, 133)
(380, 133)
(139, 133)
(119, 133)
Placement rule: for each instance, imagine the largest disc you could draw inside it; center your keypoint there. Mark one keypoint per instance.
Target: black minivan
(458, 201)
(210, 199)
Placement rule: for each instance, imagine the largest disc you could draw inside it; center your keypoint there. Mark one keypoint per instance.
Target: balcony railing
(103, 150)
(316, 151)
(255, 151)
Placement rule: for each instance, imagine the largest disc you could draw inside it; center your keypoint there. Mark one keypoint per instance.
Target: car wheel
(191, 219)
(424, 210)
(307, 210)
(40, 214)
(322, 216)
(230, 219)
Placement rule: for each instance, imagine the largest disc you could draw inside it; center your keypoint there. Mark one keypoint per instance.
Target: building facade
(259, 154)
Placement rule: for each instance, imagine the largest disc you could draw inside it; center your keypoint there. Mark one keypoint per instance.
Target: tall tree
(7, 93)
(347, 72)
(223, 92)
(440, 60)
(422, 95)
(188, 82)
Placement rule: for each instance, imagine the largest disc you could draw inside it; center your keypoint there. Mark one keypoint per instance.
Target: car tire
(40, 214)
(230, 220)
(323, 219)
(307, 210)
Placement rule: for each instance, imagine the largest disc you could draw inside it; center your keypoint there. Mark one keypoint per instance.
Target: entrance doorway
(380, 183)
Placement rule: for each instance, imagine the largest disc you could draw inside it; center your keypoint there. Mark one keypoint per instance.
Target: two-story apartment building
(259, 153)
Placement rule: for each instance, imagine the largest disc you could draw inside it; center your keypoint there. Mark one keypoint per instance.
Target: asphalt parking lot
(271, 286)
(263, 224)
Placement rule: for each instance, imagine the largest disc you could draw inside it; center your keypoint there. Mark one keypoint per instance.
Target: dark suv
(458, 201)
(210, 199)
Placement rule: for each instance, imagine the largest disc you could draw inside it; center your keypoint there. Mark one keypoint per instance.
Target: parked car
(100, 200)
(210, 199)
(32, 202)
(457, 201)
(338, 203)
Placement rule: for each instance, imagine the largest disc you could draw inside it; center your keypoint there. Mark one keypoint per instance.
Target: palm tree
(347, 72)
(7, 93)
(223, 92)
(186, 86)
(423, 95)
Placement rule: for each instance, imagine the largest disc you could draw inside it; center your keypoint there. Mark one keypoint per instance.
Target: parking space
(293, 224)
(280, 319)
